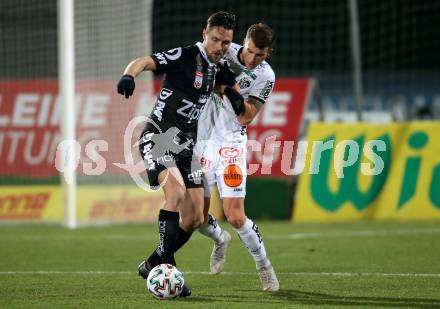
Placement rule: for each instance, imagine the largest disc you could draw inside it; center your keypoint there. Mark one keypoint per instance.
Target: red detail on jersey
(198, 81)
(229, 152)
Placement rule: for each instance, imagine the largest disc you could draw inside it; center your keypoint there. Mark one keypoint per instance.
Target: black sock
(182, 238)
(154, 259)
(168, 224)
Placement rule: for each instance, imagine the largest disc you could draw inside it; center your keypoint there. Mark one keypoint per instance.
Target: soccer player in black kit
(190, 74)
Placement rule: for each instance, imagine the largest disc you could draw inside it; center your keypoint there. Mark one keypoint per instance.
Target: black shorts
(162, 149)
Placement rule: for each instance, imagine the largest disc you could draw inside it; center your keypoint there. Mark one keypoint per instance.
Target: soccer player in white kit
(222, 148)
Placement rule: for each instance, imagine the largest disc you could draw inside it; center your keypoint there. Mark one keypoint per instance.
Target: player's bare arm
(138, 65)
(251, 108)
(126, 84)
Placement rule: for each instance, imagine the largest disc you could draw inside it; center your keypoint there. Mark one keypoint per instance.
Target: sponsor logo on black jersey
(190, 110)
(195, 176)
(160, 104)
(198, 81)
(165, 93)
(146, 153)
(172, 54)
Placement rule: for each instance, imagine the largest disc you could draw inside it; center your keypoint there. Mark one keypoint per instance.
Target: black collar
(238, 56)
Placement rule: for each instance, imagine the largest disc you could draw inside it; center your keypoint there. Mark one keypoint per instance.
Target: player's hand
(225, 76)
(126, 85)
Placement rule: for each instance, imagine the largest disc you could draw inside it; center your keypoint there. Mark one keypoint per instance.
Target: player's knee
(176, 198)
(236, 222)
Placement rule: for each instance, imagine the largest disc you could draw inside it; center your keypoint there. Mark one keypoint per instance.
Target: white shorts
(226, 166)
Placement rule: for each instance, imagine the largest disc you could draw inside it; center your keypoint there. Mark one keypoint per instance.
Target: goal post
(66, 56)
(97, 40)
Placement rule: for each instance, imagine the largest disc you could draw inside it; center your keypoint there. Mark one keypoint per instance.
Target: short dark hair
(262, 35)
(221, 19)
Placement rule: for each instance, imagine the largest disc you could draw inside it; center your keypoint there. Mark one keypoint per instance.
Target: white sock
(212, 229)
(251, 238)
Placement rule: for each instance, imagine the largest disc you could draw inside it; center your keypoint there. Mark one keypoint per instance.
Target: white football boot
(268, 278)
(218, 255)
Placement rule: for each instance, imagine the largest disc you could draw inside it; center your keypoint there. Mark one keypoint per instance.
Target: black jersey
(189, 80)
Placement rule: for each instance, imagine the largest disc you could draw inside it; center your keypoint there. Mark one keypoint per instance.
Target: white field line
(288, 236)
(364, 233)
(129, 273)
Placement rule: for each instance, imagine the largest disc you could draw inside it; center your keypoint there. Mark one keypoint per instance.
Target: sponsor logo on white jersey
(205, 163)
(232, 155)
(229, 152)
(244, 83)
(264, 94)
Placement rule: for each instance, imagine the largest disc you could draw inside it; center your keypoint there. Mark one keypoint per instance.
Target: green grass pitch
(375, 265)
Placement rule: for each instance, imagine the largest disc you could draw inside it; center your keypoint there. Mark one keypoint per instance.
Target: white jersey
(218, 122)
(221, 139)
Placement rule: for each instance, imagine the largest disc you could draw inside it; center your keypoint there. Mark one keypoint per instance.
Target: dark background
(397, 36)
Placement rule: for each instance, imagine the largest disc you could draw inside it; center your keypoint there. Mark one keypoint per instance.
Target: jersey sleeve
(263, 86)
(169, 60)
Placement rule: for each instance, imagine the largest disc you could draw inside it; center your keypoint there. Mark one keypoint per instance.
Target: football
(165, 281)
